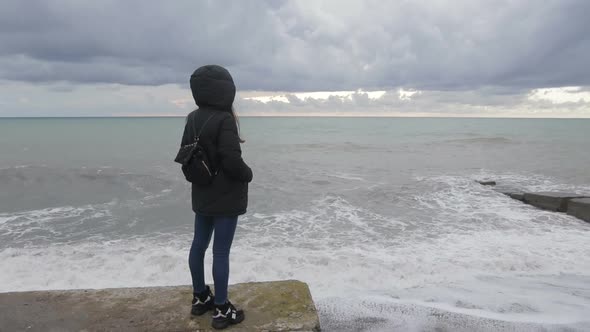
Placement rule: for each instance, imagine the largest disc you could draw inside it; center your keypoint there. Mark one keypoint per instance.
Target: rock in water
(487, 183)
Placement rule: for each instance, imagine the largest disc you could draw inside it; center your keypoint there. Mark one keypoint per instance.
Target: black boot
(202, 302)
(226, 315)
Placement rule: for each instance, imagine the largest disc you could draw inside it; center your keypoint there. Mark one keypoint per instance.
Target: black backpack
(193, 158)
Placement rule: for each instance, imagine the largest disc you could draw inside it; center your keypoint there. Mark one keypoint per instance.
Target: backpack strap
(198, 136)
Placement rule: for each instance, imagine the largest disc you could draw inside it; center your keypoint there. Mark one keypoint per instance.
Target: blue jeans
(225, 228)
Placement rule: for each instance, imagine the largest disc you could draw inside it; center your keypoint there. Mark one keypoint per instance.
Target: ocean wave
(27, 174)
(380, 314)
(52, 224)
(45, 187)
(346, 176)
(445, 245)
(364, 277)
(45, 215)
(101, 264)
(481, 140)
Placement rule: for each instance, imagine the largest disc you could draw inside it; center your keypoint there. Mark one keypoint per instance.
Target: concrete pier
(580, 208)
(519, 196)
(553, 201)
(268, 306)
(573, 204)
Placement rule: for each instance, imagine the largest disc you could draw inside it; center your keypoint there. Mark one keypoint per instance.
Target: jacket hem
(221, 214)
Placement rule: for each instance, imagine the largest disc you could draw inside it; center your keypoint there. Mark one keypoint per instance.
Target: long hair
(237, 118)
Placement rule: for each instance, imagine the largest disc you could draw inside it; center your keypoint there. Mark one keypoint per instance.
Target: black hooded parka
(214, 91)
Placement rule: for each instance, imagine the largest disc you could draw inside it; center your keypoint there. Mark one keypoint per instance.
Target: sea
(381, 217)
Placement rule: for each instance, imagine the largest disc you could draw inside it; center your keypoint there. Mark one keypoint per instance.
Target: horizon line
(300, 116)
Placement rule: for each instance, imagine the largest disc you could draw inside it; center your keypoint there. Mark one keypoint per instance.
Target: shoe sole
(200, 312)
(220, 325)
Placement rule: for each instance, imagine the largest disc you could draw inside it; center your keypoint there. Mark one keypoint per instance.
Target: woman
(217, 205)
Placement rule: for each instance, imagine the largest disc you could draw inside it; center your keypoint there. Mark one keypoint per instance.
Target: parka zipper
(207, 168)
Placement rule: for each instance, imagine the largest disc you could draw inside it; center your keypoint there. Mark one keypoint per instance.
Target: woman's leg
(225, 228)
(203, 229)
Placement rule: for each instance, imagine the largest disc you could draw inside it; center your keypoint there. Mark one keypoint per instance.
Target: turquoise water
(381, 216)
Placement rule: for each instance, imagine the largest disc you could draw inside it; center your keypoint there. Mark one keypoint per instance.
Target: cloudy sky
(518, 58)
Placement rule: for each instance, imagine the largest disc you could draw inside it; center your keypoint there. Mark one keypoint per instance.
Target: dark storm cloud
(300, 45)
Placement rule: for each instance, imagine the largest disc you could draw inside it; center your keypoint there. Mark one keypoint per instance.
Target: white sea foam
(54, 222)
(466, 276)
(346, 176)
(123, 263)
(44, 215)
(15, 167)
(479, 255)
